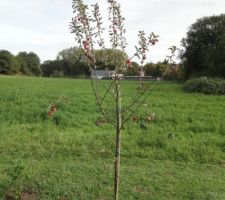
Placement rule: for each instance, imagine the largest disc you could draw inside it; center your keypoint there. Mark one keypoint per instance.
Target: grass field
(70, 157)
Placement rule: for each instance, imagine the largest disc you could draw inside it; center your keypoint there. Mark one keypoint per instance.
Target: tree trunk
(118, 141)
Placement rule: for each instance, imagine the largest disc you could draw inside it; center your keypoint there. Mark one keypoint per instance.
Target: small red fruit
(128, 61)
(134, 118)
(52, 110)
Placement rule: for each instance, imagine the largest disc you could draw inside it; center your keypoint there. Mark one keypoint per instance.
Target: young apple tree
(90, 35)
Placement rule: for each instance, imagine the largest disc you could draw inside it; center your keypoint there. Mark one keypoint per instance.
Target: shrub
(206, 86)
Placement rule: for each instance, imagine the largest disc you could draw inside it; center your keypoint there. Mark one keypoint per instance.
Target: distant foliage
(109, 58)
(134, 70)
(173, 73)
(165, 70)
(8, 63)
(23, 63)
(204, 48)
(53, 68)
(29, 63)
(155, 70)
(72, 62)
(206, 86)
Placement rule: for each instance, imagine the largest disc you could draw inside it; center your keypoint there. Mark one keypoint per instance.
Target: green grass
(70, 157)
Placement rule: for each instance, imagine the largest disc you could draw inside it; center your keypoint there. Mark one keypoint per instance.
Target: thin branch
(135, 109)
(100, 107)
(108, 90)
(135, 100)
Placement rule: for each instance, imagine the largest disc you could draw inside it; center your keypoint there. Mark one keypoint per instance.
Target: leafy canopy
(204, 47)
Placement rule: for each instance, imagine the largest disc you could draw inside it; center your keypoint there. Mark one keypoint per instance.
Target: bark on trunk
(118, 142)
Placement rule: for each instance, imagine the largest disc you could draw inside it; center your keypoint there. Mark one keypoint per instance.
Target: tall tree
(204, 51)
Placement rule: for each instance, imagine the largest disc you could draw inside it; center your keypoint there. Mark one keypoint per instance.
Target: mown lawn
(70, 157)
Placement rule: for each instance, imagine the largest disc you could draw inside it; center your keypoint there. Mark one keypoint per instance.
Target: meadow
(181, 155)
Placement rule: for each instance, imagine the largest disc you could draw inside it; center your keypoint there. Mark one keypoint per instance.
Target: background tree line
(71, 62)
(203, 54)
(22, 63)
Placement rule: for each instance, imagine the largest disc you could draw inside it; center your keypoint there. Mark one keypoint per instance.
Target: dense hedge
(206, 86)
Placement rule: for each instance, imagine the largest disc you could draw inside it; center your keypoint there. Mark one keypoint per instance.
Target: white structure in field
(102, 74)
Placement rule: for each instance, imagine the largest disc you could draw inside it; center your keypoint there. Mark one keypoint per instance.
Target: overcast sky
(42, 26)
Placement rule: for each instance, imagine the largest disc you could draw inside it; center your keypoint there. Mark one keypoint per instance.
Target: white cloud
(42, 26)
